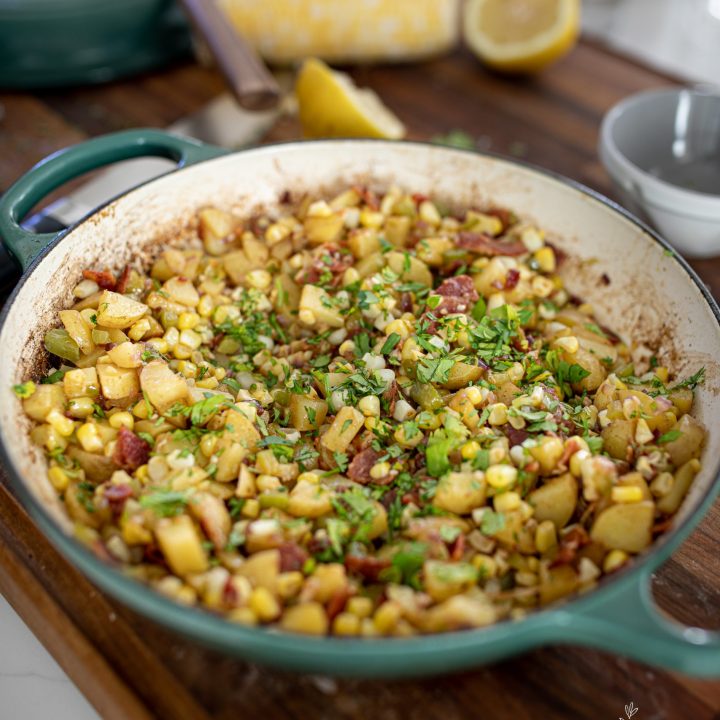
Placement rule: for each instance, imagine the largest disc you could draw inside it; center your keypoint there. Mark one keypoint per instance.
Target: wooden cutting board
(132, 669)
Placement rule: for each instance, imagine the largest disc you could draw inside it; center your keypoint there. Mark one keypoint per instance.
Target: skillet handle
(625, 620)
(70, 163)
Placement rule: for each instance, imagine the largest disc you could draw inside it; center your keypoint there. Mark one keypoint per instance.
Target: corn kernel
(172, 337)
(267, 483)
(289, 584)
(501, 477)
(263, 603)
(190, 339)
(498, 414)
(614, 560)
(486, 565)
(662, 484)
(182, 352)
(643, 434)
(429, 213)
(208, 383)
(64, 426)
(206, 306)
(371, 218)
(259, 279)
(81, 407)
(208, 444)
(570, 344)
(158, 344)
(276, 233)
(495, 301)
(121, 419)
(244, 616)
(470, 449)
(545, 258)
(89, 438)
(350, 276)
(545, 536)
(626, 494)
(400, 327)
(187, 320)
(59, 478)
(474, 395)
(362, 607)
(251, 508)
(507, 502)
(140, 410)
(311, 477)
(142, 473)
(369, 406)
(307, 317)
(139, 329)
(386, 616)
(379, 470)
(346, 623)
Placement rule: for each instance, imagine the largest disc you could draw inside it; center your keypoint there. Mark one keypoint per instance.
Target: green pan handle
(625, 620)
(73, 162)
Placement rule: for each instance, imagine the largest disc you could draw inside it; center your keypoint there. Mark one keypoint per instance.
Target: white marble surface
(32, 684)
(679, 36)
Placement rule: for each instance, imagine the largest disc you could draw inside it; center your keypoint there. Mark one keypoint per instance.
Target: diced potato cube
(321, 230)
(682, 481)
(555, 500)
(397, 229)
(211, 513)
(162, 386)
(262, 569)
(364, 242)
(180, 544)
(126, 355)
(181, 290)
(444, 579)
(432, 250)
(238, 429)
(228, 464)
(327, 581)
(118, 383)
(627, 526)
(309, 618)
(308, 499)
(119, 311)
(78, 330)
(80, 382)
(255, 250)
(409, 268)
(459, 612)
(462, 374)
(344, 428)
(214, 228)
(317, 305)
(689, 441)
(307, 413)
(557, 582)
(460, 492)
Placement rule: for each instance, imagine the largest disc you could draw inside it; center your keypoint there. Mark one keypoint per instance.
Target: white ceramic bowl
(662, 150)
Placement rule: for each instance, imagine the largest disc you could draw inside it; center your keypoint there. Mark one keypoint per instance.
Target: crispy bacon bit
(458, 286)
(570, 543)
(605, 279)
(506, 217)
(368, 567)
(515, 437)
(483, 244)
(368, 197)
(337, 603)
(359, 469)
(292, 557)
(122, 283)
(117, 495)
(337, 265)
(104, 278)
(458, 548)
(512, 278)
(390, 396)
(419, 198)
(131, 451)
(406, 304)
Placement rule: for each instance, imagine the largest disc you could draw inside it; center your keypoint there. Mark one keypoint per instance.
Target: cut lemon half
(331, 105)
(521, 35)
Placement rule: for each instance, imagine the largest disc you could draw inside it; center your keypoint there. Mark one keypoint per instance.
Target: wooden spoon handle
(250, 81)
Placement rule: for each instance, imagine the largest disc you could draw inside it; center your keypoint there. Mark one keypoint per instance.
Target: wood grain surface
(130, 668)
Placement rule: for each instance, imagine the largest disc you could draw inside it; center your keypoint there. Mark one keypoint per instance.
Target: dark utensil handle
(24, 246)
(250, 81)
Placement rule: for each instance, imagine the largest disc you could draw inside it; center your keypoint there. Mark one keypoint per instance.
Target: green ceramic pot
(50, 43)
(652, 291)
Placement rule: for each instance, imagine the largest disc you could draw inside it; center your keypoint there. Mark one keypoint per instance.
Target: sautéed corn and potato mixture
(365, 416)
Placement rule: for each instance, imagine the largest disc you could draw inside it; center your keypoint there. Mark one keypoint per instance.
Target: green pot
(619, 615)
(49, 43)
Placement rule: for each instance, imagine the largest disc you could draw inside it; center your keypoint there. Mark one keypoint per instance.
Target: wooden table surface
(130, 668)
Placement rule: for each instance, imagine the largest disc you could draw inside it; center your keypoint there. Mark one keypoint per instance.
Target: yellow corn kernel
(545, 536)
(140, 410)
(614, 560)
(259, 279)
(379, 470)
(662, 373)
(311, 477)
(142, 473)
(307, 317)
(308, 618)
(220, 373)
(289, 584)
(507, 502)
(350, 276)
(367, 628)
(59, 478)
(400, 327)
(208, 383)
(429, 213)
(371, 218)
(187, 320)
(135, 534)
(263, 603)
(63, 425)
(569, 343)
(346, 623)
(121, 419)
(206, 306)
(545, 258)
(486, 565)
(187, 369)
(386, 616)
(626, 494)
(208, 444)
(139, 329)
(576, 462)
(190, 339)
(474, 395)
(498, 414)
(362, 607)
(251, 508)
(470, 449)
(662, 484)
(182, 352)
(158, 344)
(501, 477)
(369, 405)
(89, 438)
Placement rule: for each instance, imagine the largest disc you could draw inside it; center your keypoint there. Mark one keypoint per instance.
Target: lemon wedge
(331, 105)
(521, 36)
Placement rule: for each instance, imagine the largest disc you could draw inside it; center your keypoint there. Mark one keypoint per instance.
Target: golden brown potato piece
(626, 526)
(555, 500)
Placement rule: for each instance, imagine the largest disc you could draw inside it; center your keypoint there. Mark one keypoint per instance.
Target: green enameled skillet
(653, 299)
